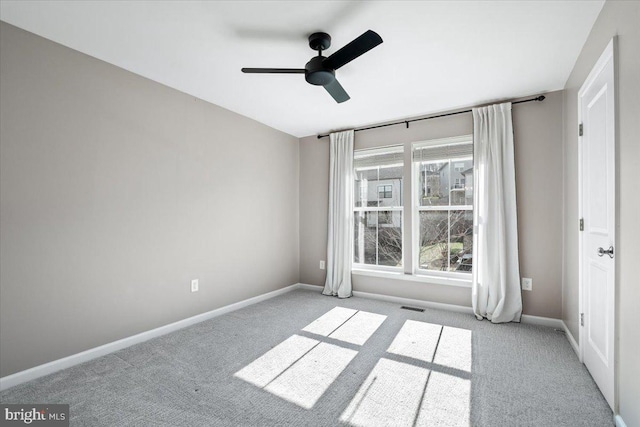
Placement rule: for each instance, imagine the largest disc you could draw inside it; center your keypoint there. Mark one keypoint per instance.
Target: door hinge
(581, 319)
(581, 224)
(580, 130)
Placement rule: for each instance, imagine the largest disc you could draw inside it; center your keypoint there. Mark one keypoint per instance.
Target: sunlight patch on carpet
(330, 321)
(445, 402)
(307, 380)
(390, 396)
(299, 369)
(454, 349)
(347, 325)
(359, 328)
(417, 340)
(434, 390)
(274, 362)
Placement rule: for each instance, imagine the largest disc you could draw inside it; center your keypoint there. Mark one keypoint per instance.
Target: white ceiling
(436, 55)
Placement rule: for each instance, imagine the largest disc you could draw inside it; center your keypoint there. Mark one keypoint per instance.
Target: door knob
(609, 251)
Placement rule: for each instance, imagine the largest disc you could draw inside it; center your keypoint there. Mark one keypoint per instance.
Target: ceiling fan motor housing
(317, 73)
(319, 41)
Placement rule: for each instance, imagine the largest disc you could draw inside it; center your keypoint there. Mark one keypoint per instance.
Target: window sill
(422, 278)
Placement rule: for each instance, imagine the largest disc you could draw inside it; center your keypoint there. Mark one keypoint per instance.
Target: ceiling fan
(321, 71)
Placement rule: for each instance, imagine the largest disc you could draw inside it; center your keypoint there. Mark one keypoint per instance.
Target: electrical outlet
(195, 285)
(321, 265)
(527, 284)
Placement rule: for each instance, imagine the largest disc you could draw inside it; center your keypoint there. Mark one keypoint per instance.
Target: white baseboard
(526, 318)
(310, 287)
(93, 353)
(399, 300)
(619, 421)
(415, 302)
(572, 341)
(542, 321)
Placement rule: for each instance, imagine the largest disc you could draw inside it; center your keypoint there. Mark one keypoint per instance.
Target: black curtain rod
(406, 122)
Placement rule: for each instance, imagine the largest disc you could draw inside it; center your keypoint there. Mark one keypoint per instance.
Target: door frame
(609, 53)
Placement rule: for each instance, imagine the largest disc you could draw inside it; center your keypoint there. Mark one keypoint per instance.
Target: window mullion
(377, 241)
(449, 217)
(449, 239)
(378, 221)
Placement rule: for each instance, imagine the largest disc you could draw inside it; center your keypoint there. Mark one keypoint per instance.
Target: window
(385, 191)
(443, 206)
(378, 209)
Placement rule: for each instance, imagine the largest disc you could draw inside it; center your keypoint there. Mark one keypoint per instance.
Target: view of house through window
(443, 172)
(378, 207)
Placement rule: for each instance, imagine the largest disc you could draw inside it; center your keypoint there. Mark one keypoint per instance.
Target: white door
(596, 106)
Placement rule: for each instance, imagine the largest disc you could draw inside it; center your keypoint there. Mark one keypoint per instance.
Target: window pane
(365, 228)
(434, 184)
(446, 240)
(378, 238)
(434, 240)
(390, 238)
(462, 182)
(366, 182)
(379, 186)
(461, 240)
(390, 180)
(444, 175)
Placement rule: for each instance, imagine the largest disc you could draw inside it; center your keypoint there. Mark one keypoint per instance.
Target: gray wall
(538, 147)
(116, 191)
(621, 18)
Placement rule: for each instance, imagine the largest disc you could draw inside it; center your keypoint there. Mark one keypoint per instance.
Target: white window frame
(416, 209)
(373, 267)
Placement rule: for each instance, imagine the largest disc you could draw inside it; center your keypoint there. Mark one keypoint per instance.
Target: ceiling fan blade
(336, 90)
(352, 50)
(273, 70)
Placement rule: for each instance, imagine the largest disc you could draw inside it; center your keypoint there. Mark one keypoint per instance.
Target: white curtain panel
(496, 293)
(340, 236)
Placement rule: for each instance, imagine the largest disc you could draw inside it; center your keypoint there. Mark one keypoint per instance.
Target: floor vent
(404, 307)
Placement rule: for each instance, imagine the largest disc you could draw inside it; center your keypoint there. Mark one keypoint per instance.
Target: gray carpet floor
(298, 360)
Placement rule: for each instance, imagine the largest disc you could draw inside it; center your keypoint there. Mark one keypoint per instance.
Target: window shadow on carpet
(423, 378)
(301, 368)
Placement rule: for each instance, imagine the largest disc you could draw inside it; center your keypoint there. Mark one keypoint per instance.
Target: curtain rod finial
(541, 98)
